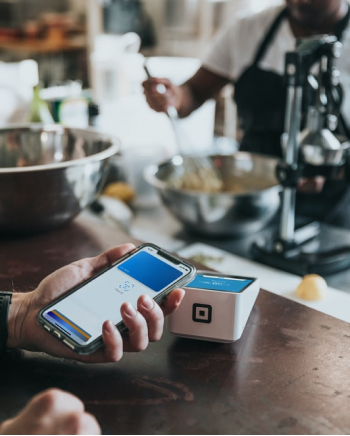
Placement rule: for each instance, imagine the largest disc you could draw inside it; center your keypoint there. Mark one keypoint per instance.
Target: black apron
(260, 96)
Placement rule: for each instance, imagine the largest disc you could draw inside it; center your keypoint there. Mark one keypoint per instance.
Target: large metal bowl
(48, 174)
(223, 213)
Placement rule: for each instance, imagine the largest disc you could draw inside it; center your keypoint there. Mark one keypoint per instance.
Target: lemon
(312, 288)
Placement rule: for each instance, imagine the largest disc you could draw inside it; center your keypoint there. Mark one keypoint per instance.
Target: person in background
(250, 54)
(55, 411)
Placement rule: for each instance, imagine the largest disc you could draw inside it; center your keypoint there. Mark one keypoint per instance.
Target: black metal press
(312, 151)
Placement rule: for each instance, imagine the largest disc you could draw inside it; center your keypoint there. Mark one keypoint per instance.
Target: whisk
(199, 172)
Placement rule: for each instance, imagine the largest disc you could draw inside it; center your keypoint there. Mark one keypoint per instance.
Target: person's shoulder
(249, 22)
(262, 18)
(236, 42)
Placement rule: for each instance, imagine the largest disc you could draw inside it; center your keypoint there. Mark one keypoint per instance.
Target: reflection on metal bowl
(48, 174)
(248, 202)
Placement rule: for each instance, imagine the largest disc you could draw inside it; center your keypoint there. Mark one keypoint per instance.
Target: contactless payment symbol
(126, 286)
(202, 313)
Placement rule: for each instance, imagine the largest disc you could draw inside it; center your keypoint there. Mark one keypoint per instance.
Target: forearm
(203, 86)
(187, 100)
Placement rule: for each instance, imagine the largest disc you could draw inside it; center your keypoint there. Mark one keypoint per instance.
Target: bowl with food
(245, 200)
(48, 174)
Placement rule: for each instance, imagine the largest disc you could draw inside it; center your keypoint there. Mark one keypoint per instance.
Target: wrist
(185, 100)
(15, 320)
(5, 303)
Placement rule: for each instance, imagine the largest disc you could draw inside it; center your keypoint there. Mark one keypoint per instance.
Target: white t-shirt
(235, 46)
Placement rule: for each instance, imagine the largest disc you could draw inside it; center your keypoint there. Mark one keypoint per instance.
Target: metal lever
(298, 63)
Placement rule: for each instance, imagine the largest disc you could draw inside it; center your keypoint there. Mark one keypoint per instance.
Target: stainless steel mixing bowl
(251, 200)
(48, 174)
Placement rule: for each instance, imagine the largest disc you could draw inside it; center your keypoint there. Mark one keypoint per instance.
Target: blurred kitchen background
(49, 30)
(80, 63)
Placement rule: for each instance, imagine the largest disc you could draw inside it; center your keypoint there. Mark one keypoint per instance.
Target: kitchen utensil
(249, 200)
(197, 170)
(48, 174)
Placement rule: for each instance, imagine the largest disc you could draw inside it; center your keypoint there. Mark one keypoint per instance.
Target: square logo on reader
(201, 313)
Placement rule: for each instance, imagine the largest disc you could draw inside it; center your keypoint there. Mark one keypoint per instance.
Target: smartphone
(220, 282)
(76, 318)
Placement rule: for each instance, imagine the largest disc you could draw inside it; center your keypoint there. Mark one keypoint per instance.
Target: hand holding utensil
(199, 171)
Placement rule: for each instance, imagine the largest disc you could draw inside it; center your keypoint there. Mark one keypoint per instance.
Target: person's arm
(52, 412)
(144, 323)
(201, 87)
(187, 97)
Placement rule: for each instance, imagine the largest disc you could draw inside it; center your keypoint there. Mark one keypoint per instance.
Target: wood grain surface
(288, 374)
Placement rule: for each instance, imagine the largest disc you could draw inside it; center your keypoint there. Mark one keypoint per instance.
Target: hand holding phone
(25, 332)
(76, 317)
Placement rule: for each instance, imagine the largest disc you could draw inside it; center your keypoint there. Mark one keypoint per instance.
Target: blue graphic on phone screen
(83, 312)
(213, 283)
(150, 271)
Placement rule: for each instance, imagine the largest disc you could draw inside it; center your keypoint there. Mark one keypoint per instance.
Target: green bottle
(39, 111)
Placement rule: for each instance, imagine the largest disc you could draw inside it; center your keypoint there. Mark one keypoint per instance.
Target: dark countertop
(288, 374)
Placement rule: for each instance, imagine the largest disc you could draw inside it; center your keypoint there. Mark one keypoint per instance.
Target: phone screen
(216, 283)
(81, 314)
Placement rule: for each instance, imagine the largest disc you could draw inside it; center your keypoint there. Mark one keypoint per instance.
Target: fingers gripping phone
(76, 318)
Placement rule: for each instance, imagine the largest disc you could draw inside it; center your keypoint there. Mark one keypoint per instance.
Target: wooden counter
(288, 374)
